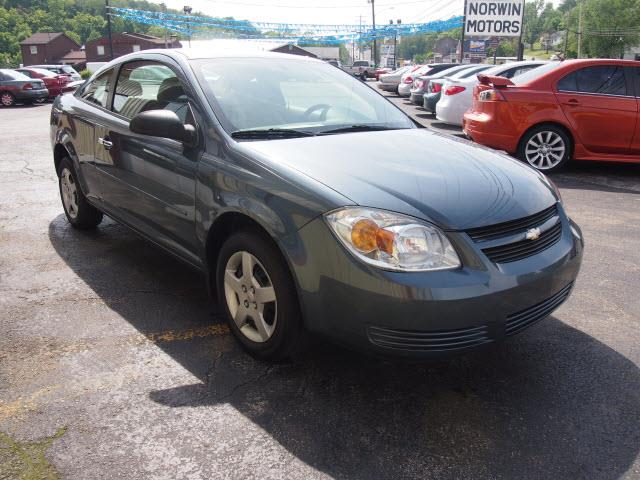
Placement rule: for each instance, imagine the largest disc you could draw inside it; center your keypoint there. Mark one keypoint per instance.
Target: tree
(532, 27)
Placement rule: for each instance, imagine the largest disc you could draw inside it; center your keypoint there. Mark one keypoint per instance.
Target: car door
(633, 73)
(600, 106)
(151, 180)
(88, 115)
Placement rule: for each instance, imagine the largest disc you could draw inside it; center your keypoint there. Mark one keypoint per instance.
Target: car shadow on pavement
(602, 176)
(553, 402)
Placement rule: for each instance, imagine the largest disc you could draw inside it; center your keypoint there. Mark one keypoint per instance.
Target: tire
(269, 330)
(80, 213)
(546, 148)
(7, 99)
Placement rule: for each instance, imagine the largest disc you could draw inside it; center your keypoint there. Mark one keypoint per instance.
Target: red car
(575, 109)
(56, 84)
(380, 71)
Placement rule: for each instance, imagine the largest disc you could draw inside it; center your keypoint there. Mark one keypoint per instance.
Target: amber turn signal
(367, 236)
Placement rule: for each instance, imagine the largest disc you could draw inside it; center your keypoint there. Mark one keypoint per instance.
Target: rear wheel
(7, 99)
(258, 296)
(80, 213)
(546, 148)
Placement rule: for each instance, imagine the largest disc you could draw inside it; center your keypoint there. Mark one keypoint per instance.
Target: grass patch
(26, 460)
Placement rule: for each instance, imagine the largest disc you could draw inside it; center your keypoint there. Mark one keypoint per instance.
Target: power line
(312, 7)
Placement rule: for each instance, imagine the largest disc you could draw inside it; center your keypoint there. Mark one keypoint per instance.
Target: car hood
(448, 181)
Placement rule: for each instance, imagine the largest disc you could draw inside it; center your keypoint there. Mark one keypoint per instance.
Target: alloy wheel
(6, 99)
(250, 296)
(545, 150)
(69, 192)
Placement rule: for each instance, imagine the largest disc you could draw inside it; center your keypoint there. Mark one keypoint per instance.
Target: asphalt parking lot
(113, 366)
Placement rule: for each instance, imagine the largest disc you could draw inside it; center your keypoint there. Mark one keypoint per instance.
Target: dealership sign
(495, 18)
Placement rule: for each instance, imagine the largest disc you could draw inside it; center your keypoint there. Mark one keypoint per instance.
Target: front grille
(529, 316)
(428, 341)
(512, 252)
(498, 230)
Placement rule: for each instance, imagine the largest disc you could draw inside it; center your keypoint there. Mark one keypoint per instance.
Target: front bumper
(429, 314)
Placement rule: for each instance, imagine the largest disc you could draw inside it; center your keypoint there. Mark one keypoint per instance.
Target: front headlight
(392, 241)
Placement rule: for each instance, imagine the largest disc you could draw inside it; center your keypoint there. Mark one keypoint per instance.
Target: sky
(345, 12)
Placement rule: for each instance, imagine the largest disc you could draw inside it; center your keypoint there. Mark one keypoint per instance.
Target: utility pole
(464, 25)
(579, 29)
(166, 30)
(373, 19)
(187, 11)
(360, 40)
(106, 12)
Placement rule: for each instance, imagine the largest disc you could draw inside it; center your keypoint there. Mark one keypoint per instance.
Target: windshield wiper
(271, 133)
(358, 128)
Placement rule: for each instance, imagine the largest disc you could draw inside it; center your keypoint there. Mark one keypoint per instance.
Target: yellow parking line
(174, 335)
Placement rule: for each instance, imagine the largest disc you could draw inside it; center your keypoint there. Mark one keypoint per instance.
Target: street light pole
(373, 19)
(187, 11)
(106, 8)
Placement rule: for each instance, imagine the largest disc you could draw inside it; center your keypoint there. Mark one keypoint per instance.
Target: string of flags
(299, 33)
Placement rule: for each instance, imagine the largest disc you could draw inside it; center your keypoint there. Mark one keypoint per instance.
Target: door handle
(573, 102)
(105, 142)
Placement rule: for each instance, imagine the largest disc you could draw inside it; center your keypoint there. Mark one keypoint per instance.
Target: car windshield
(68, 69)
(527, 76)
(251, 94)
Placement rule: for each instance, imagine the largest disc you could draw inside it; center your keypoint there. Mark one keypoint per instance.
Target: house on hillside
(46, 47)
(123, 43)
(76, 58)
(445, 46)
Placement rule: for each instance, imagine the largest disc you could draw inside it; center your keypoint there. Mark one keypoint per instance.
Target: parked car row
(36, 84)
(545, 113)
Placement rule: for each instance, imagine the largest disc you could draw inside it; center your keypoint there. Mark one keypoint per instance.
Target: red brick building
(43, 47)
(123, 43)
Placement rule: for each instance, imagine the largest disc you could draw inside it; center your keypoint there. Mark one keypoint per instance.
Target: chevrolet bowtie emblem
(533, 234)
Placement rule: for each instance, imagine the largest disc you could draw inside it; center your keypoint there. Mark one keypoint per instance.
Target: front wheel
(80, 213)
(258, 296)
(546, 148)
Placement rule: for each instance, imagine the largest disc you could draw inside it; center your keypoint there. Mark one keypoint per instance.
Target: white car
(406, 81)
(457, 93)
(389, 81)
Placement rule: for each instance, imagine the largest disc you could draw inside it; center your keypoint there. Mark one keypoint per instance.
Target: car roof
(40, 70)
(507, 66)
(241, 52)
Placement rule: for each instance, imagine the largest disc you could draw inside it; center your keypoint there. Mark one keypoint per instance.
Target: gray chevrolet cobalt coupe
(314, 205)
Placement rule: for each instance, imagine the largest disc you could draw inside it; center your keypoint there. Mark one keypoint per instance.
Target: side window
(146, 85)
(27, 73)
(97, 91)
(602, 79)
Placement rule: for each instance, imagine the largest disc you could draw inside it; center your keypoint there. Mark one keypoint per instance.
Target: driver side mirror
(162, 123)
